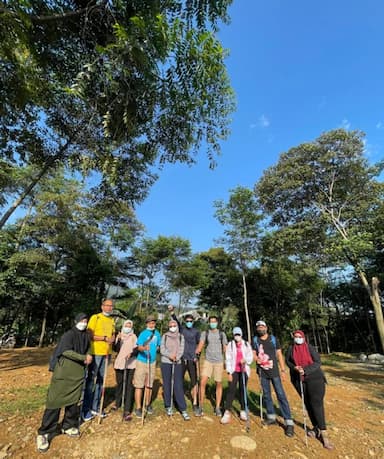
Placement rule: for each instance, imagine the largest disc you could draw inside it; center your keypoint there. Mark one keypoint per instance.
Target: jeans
(94, 383)
(280, 394)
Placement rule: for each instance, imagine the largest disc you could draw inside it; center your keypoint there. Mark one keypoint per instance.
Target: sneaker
(127, 417)
(289, 431)
(198, 411)
(185, 416)
(217, 411)
(243, 415)
(88, 416)
(138, 413)
(149, 409)
(97, 413)
(269, 421)
(169, 411)
(71, 432)
(42, 443)
(226, 418)
(312, 433)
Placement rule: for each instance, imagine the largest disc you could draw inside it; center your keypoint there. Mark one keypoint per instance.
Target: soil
(354, 407)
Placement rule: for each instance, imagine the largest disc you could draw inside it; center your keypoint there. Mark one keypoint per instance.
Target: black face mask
(261, 332)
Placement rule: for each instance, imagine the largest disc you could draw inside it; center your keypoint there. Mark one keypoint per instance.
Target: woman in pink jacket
(238, 357)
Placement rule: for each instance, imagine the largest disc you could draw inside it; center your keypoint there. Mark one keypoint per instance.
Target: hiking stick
(304, 411)
(124, 389)
(103, 388)
(247, 425)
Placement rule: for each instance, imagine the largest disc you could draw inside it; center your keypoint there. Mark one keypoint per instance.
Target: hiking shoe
(185, 416)
(127, 417)
(42, 443)
(88, 416)
(138, 413)
(71, 432)
(289, 431)
(217, 411)
(198, 411)
(269, 421)
(97, 413)
(149, 409)
(226, 418)
(243, 415)
(169, 411)
(312, 433)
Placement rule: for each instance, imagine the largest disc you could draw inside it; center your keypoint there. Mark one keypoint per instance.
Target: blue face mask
(189, 324)
(213, 325)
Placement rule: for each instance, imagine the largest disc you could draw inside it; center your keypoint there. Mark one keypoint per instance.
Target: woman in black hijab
(68, 365)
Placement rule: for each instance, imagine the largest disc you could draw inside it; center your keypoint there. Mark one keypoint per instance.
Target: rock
(362, 357)
(376, 358)
(207, 418)
(243, 442)
(184, 440)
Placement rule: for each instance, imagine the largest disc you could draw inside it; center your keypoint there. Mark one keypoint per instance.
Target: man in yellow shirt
(101, 327)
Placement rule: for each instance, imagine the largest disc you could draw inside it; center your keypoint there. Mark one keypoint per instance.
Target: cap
(237, 331)
(150, 319)
(80, 316)
(261, 323)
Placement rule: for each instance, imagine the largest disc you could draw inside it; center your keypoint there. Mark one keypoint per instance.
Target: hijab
(301, 355)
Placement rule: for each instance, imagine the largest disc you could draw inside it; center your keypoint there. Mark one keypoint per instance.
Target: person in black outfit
(307, 376)
(189, 359)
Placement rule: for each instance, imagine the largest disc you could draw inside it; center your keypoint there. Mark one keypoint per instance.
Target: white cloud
(379, 125)
(264, 121)
(345, 124)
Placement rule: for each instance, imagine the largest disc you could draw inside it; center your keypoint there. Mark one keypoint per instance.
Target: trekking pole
(304, 411)
(124, 389)
(247, 425)
(146, 389)
(103, 389)
(172, 383)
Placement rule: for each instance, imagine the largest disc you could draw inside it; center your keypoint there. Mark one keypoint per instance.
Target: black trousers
(129, 389)
(237, 379)
(51, 419)
(314, 392)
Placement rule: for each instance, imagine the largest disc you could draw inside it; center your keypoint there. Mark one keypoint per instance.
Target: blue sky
(298, 68)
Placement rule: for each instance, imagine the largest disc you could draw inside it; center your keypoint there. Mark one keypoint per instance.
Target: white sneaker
(226, 418)
(243, 415)
(42, 443)
(71, 432)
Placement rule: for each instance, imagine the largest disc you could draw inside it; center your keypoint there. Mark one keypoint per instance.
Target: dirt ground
(354, 408)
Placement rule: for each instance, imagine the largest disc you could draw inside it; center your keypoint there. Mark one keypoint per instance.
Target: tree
(326, 195)
(112, 88)
(240, 217)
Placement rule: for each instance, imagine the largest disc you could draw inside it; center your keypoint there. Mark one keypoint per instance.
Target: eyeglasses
(189, 321)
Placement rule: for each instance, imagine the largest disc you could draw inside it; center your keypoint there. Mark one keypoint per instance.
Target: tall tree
(326, 194)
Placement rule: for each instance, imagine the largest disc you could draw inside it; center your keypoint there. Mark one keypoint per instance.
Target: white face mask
(173, 329)
(298, 340)
(81, 326)
(126, 330)
(107, 314)
(237, 338)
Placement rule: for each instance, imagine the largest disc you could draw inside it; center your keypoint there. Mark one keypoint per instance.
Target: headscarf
(123, 335)
(301, 355)
(172, 340)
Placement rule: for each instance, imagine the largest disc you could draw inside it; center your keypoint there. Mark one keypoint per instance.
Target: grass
(23, 401)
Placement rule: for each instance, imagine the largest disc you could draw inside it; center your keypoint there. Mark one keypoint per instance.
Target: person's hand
(242, 361)
(88, 359)
(229, 377)
(283, 376)
(173, 357)
(110, 340)
(171, 308)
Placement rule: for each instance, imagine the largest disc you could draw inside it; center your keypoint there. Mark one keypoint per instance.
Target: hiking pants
(314, 392)
(280, 394)
(129, 389)
(51, 418)
(237, 379)
(178, 389)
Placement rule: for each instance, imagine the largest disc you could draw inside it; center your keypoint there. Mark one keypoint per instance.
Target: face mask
(237, 338)
(126, 330)
(173, 329)
(107, 314)
(261, 332)
(213, 325)
(81, 326)
(151, 327)
(298, 340)
(189, 324)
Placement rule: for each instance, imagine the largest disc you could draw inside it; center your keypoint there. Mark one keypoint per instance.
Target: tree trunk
(43, 327)
(374, 296)
(246, 307)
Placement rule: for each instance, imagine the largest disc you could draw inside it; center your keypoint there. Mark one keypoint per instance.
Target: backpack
(256, 342)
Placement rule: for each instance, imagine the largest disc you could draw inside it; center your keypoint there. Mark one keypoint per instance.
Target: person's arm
(201, 344)
(248, 354)
(309, 369)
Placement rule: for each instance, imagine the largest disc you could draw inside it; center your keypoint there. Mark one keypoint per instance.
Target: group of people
(81, 358)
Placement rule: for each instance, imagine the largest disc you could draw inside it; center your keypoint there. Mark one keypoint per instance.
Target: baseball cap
(237, 331)
(261, 323)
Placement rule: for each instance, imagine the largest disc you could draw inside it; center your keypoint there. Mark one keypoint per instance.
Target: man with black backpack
(267, 353)
(215, 342)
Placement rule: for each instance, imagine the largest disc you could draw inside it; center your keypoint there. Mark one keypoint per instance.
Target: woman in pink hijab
(307, 376)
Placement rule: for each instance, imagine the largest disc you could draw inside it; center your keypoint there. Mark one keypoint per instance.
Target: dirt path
(354, 406)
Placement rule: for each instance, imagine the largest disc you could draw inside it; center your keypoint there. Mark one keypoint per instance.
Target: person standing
(238, 357)
(68, 364)
(125, 364)
(309, 381)
(102, 330)
(215, 342)
(148, 344)
(267, 352)
(189, 360)
(171, 349)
